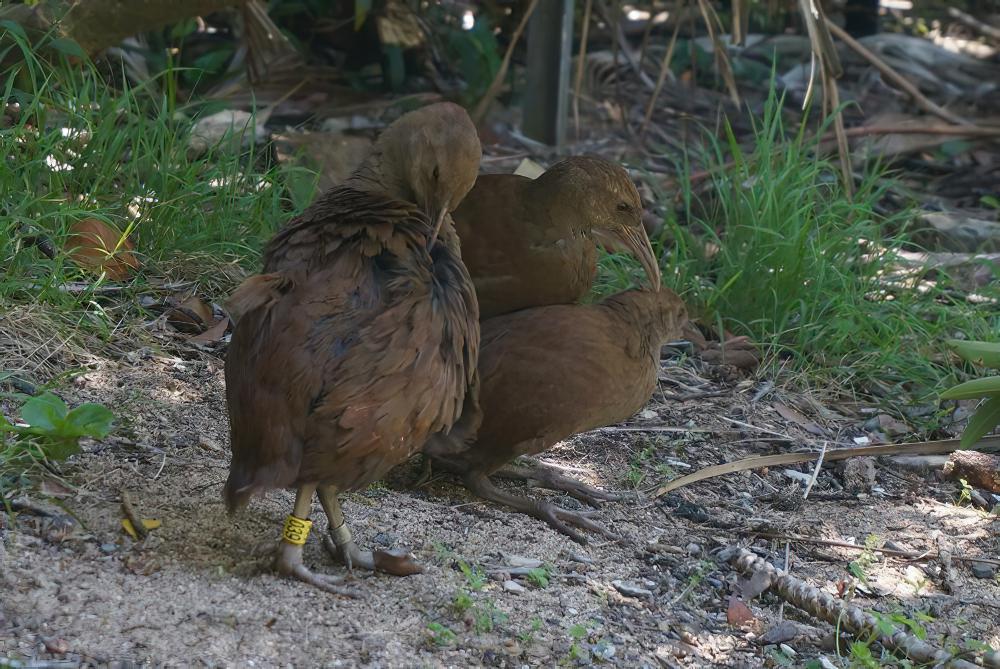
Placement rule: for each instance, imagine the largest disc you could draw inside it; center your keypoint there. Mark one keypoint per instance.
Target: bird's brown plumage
(360, 339)
(533, 242)
(551, 372)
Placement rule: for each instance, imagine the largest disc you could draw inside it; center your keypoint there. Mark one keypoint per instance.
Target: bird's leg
(544, 476)
(557, 518)
(341, 545)
(288, 561)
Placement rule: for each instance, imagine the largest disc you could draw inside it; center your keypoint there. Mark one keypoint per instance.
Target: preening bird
(360, 338)
(533, 242)
(548, 373)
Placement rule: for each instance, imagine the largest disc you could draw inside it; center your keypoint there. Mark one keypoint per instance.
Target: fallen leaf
(738, 613)
(794, 416)
(99, 248)
(214, 333)
(529, 168)
(191, 316)
(54, 488)
(148, 523)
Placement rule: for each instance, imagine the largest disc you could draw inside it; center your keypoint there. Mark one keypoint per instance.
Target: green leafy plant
(474, 576)
(539, 577)
(462, 602)
(49, 432)
(54, 429)
(440, 635)
(987, 416)
(527, 637)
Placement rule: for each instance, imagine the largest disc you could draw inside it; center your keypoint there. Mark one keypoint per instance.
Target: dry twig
(664, 68)
(918, 98)
(581, 64)
(491, 93)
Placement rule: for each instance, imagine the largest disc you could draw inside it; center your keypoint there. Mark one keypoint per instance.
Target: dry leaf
(191, 316)
(529, 168)
(214, 333)
(98, 247)
(148, 523)
(738, 613)
(794, 416)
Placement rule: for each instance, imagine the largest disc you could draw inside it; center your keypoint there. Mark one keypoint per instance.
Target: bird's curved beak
(634, 240)
(438, 222)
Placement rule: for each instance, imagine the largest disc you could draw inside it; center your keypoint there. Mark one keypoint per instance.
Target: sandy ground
(198, 590)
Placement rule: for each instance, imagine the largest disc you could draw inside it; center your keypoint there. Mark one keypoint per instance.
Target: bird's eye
(437, 172)
(624, 206)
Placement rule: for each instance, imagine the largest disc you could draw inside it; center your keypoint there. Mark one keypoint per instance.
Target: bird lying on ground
(548, 373)
(360, 339)
(533, 242)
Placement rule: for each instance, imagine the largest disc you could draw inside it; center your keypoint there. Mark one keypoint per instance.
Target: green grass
(778, 251)
(79, 148)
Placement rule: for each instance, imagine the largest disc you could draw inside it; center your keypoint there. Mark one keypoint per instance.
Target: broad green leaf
(68, 47)
(44, 411)
(15, 28)
(361, 9)
(970, 390)
(60, 449)
(5, 425)
(983, 353)
(986, 418)
(89, 420)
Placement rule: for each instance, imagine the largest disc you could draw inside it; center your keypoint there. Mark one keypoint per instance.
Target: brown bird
(548, 373)
(533, 242)
(360, 339)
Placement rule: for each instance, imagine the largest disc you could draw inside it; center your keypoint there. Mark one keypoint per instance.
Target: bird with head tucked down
(533, 242)
(361, 337)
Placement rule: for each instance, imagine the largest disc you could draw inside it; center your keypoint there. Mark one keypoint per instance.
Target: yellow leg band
(296, 530)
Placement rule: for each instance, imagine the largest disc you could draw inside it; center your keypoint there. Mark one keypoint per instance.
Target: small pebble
(514, 587)
(109, 548)
(56, 646)
(631, 589)
(693, 549)
(604, 650)
(787, 650)
(983, 570)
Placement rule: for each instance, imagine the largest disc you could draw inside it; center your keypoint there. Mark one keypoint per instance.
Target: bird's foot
(342, 547)
(544, 476)
(562, 520)
(288, 562)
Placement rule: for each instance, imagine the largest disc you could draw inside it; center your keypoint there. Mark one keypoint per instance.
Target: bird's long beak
(438, 222)
(634, 240)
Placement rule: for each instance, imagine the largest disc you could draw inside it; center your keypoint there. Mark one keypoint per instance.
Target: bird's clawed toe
(543, 476)
(288, 562)
(396, 563)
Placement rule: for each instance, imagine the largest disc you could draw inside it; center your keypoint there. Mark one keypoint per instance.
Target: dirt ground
(198, 590)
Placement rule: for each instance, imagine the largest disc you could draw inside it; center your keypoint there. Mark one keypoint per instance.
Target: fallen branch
(824, 606)
(491, 93)
(919, 98)
(974, 23)
(918, 448)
